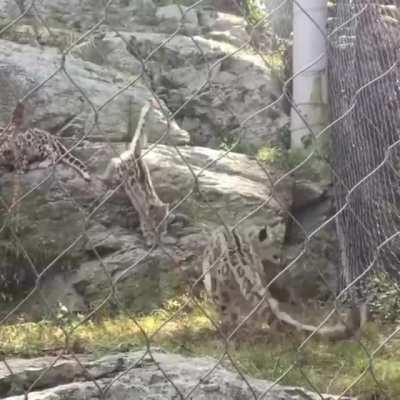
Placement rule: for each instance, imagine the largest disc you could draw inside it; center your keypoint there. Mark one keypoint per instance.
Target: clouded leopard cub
(237, 269)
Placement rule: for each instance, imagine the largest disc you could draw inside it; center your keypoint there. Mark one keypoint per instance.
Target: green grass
(326, 366)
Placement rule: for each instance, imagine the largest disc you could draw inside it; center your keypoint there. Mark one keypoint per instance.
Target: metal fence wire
(364, 70)
(364, 95)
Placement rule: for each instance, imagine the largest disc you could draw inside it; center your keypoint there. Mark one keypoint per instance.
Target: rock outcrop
(100, 241)
(93, 97)
(233, 92)
(138, 375)
(82, 98)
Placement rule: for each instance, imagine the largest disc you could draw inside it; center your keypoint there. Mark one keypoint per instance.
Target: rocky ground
(138, 375)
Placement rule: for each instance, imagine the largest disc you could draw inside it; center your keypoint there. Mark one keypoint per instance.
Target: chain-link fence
(132, 132)
(364, 71)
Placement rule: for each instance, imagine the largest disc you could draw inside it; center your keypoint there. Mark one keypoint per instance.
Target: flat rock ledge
(154, 374)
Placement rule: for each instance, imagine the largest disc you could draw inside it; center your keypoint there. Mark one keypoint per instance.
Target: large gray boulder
(86, 238)
(232, 92)
(78, 15)
(229, 28)
(140, 376)
(230, 85)
(172, 16)
(69, 97)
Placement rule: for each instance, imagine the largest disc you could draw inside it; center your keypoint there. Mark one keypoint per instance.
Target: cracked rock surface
(137, 375)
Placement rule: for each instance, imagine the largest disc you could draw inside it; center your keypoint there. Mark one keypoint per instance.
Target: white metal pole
(310, 86)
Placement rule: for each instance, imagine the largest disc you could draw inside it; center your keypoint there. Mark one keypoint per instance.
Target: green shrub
(253, 11)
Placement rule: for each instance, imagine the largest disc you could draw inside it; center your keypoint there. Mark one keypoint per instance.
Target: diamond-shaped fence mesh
(364, 70)
(153, 212)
